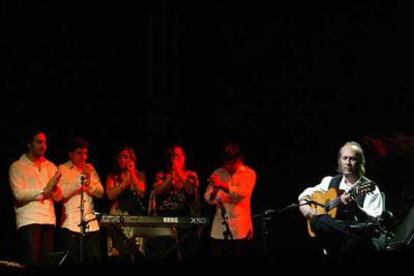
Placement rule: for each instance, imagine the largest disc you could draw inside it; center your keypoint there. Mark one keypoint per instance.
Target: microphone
(97, 214)
(82, 179)
(213, 194)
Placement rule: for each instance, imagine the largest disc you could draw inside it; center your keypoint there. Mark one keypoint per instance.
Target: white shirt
(27, 182)
(372, 205)
(70, 184)
(237, 203)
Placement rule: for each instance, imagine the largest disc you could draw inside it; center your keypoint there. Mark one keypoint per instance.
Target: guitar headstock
(363, 188)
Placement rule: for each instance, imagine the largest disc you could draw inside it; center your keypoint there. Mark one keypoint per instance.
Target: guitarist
(345, 231)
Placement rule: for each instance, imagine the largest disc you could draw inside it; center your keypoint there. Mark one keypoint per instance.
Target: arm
(213, 188)
(67, 187)
(112, 189)
(208, 195)
(93, 185)
(52, 189)
(57, 193)
(242, 187)
(19, 187)
(216, 186)
(373, 204)
(23, 193)
(162, 182)
(306, 210)
(139, 182)
(191, 182)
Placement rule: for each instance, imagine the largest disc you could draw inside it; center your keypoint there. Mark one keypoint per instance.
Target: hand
(57, 177)
(217, 182)
(52, 183)
(307, 211)
(131, 166)
(126, 180)
(311, 213)
(214, 179)
(192, 179)
(124, 185)
(346, 198)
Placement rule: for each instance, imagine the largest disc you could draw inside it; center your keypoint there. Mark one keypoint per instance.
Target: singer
(230, 189)
(176, 193)
(126, 186)
(78, 177)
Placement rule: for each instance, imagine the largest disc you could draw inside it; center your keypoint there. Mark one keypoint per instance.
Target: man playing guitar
(335, 207)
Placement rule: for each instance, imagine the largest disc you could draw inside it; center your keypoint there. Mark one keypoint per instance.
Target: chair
(404, 234)
(383, 236)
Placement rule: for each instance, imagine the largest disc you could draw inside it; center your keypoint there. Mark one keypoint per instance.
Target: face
(124, 159)
(38, 145)
(178, 158)
(231, 167)
(79, 156)
(348, 161)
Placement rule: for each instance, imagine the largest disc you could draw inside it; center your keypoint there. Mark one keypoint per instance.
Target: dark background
(290, 81)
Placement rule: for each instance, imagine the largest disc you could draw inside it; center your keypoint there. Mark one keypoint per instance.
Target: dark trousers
(91, 247)
(182, 246)
(188, 243)
(127, 247)
(162, 249)
(229, 249)
(36, 241)
(334, 237)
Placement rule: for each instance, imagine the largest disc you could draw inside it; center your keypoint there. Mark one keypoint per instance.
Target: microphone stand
(82, 225)
(227, 234)
(294, 205)
(82, 221)
(266, 219)
(198, 209)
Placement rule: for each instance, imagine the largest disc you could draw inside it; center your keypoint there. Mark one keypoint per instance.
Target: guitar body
(323, 199)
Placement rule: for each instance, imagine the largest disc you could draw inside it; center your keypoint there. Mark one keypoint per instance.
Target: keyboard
(124, 220)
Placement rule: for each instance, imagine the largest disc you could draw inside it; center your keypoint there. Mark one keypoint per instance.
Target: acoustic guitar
(328, 202)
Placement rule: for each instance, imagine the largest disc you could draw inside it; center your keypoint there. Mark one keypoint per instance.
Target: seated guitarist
(353, 199)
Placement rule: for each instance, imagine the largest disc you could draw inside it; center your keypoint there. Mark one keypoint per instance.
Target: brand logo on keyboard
(197, 220)
(170, 219)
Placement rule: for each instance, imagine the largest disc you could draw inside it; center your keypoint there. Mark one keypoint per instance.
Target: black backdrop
(290, 82)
